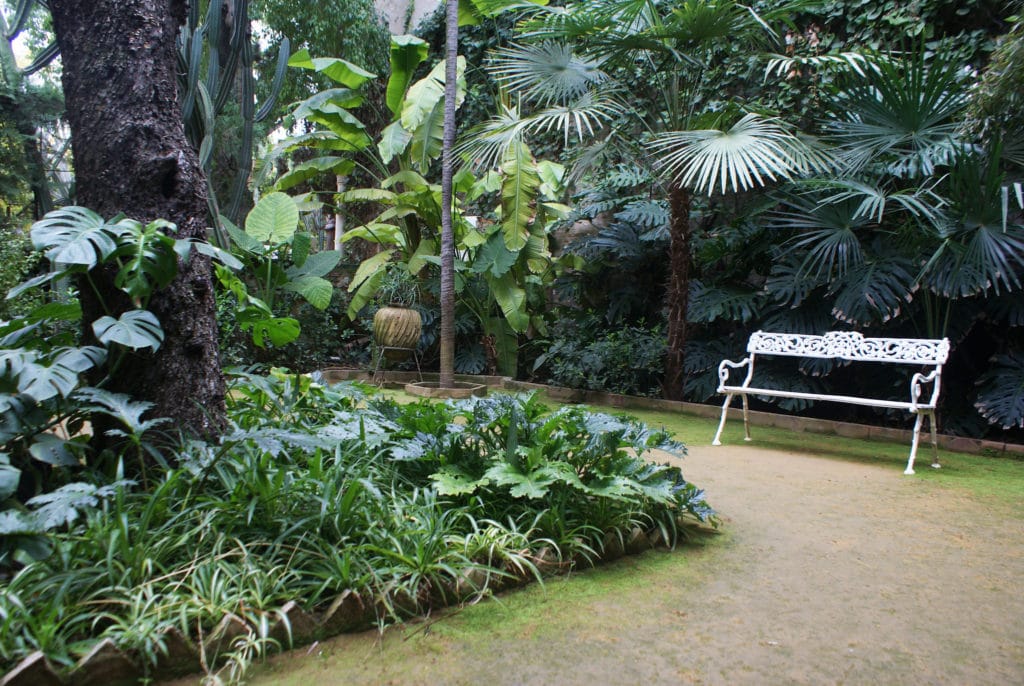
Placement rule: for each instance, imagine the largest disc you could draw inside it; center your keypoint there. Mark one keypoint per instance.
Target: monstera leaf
(135, 329)
(149, 259)
(75, 236)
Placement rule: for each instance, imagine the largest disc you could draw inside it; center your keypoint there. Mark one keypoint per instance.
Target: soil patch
(827, 571)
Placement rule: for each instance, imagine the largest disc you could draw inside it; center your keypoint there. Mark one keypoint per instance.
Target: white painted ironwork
(844, 345)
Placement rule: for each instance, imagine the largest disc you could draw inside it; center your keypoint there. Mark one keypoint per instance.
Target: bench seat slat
(893, 404)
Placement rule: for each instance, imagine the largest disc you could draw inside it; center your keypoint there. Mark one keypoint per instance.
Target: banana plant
(277, 258)
(410, 224)
(338, 133)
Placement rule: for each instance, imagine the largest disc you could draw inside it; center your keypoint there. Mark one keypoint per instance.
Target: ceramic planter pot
(397, 327)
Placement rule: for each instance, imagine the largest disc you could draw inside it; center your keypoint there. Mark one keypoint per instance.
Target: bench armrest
(916, 384)
(726, 365)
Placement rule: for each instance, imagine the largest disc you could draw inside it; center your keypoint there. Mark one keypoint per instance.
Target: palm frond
(979, 249)
(753, 152)
(546, 72)
(874, 199)
(827, 236)
(903, 115)
(989, 258)
(488, 143)
(781, 66)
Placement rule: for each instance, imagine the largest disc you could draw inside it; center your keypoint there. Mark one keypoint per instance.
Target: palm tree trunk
(447, 362)
(678, 291)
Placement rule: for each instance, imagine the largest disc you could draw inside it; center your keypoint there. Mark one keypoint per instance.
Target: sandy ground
(829, 572)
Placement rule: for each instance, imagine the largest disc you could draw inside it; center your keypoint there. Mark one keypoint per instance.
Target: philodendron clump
(320, 495)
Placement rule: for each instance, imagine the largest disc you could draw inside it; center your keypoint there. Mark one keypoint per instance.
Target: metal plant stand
(380, 359)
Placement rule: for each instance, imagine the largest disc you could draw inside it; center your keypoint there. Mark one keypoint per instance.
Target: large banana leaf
(335, 68)
(366, 281)
(418, 260)
(393, 141)
(328, 100)
(506, 345)
(368, 195)
(423, 113)
(512, 301)
(407, 53)
(518, 195)
(376, 232)
(313, 168)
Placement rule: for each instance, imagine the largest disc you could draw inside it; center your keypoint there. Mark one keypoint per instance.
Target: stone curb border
(795, 423)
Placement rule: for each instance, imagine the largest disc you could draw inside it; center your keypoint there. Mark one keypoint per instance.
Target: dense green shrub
(317, 491)
(326, 337)
(586, 355)
(17, 261)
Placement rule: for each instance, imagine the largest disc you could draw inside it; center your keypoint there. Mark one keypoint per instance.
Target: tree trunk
(447, 362)
(678, 291)
(131, 156)
(26, 123)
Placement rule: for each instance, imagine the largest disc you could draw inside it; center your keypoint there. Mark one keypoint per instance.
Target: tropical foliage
(319, 493)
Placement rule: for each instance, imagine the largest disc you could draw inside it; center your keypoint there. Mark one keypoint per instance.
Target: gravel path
(829, 572)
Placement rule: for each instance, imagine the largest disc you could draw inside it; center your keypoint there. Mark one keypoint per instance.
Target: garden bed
(326, 510)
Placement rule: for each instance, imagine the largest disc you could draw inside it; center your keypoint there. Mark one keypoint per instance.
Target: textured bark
(131, 156)
(447, 362)
(678, 292)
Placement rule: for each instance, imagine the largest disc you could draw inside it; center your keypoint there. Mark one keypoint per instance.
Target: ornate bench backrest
(850, 345)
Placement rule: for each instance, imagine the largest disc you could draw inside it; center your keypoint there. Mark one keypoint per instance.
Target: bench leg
(935, 441)
(746, 419)
(721, 424)
(913, 445)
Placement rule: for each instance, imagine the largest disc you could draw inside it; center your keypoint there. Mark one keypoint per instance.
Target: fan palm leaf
(826, 235)
(902, 114)
(979, 249)
(751, 153)
(487, 144)
(546, 72)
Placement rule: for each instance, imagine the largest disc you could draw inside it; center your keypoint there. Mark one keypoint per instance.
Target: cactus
(223, 38)
(223, 46)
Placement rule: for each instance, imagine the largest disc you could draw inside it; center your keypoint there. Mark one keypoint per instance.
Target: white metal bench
(845, 345)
